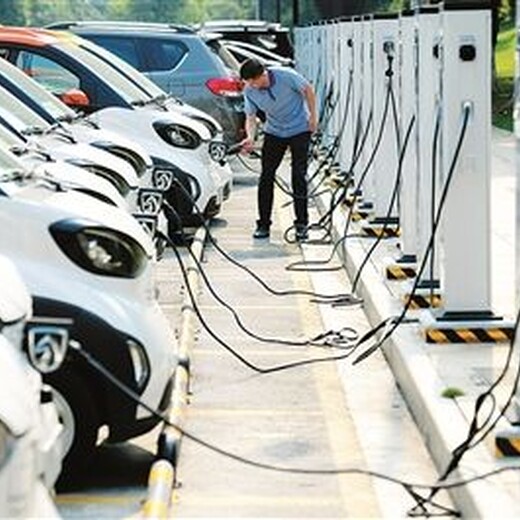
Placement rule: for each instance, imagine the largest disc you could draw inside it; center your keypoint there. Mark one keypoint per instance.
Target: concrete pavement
(424, 371)
(318, 416)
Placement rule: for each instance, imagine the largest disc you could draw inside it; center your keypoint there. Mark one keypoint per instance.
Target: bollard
(160, 487)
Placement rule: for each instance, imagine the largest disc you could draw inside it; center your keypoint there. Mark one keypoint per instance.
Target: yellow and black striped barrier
(350, 200)
(381, 232)
(359, 215)
(507, 443)
(423, 301)
(399, 272)
(468, 335)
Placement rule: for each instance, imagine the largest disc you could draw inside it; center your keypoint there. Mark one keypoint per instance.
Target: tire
(77, 413)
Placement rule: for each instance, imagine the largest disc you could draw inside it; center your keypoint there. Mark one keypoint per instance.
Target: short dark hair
(251, 69)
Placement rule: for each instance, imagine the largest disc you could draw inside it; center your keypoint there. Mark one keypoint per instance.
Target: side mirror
(75, 98)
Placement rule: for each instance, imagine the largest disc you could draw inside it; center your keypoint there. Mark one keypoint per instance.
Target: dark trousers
(273, 151)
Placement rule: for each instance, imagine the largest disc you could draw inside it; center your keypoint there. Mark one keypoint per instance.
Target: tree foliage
(42, 12)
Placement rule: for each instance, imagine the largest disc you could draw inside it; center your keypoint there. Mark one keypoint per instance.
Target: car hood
(72, 204)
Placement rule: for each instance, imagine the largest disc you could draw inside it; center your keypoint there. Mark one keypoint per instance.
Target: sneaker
(261, 232)
(301, 233)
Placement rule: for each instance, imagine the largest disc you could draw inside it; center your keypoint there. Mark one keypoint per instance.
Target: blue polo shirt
(283, 102)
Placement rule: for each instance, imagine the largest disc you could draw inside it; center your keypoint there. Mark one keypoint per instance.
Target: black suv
(178, 60)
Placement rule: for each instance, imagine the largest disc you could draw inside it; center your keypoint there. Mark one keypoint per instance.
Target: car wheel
(77, 413)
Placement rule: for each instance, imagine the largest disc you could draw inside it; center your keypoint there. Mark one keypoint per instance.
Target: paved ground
(321, 416)
(326, 415)
(424, 371)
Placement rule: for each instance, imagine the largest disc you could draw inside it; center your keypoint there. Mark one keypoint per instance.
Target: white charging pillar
(321, 64)
(385, 41)
(332, 87)
(428, 104)
(366, 136)
(346, 87)
(408, 104)
(337, 80)
(357, 92)
(466, 237)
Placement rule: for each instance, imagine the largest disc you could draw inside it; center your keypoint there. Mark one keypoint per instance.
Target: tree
(12, 12)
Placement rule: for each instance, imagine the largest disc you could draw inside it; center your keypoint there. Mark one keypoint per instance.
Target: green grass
(505, 73)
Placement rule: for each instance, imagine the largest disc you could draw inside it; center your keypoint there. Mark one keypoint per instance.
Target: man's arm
(250, 127)
(310, 98)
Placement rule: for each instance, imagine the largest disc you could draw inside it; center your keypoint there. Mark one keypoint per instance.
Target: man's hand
(313, 125)
(247, 145)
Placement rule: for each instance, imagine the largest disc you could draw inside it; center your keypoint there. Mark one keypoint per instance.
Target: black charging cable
(415, 490)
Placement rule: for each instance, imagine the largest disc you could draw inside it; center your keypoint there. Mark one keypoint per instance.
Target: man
(288, 101)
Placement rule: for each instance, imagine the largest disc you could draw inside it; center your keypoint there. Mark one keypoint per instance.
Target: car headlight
(139, 363)
(177, 135)
(98, 249)
(7, 441)
(106, 173)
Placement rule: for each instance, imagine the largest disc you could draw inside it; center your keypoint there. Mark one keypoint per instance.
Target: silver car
(178, 60)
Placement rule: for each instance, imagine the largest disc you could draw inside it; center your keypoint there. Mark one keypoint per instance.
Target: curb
(440, 421)
(163, 473)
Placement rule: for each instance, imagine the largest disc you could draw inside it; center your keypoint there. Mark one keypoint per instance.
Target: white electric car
(31, 436)
(28, 126)
(172, 139)
(85, 260)
(39, 163)
(64, 122)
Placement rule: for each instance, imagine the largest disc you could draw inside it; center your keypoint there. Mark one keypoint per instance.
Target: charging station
(507, 437)
(365, 134)
(329, 59)
(465, 55)
(405, 266)
(385, 99)
(346, 71)
(428, 116)
(357, 94)
(386, 139)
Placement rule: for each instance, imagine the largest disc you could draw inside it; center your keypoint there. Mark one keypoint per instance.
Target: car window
(18, 114)
(140, 80)
(50, 103)
(163, 54)
(48, 73)
(120, 84)
(125, 48)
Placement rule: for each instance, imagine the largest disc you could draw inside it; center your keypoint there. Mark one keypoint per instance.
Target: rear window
(163, 54)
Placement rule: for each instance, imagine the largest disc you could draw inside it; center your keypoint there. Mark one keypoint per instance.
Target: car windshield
(145, 85)
(19, 115)
(125, 88)
(45, 99)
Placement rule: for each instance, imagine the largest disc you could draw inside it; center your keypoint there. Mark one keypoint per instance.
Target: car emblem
(47, 342)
